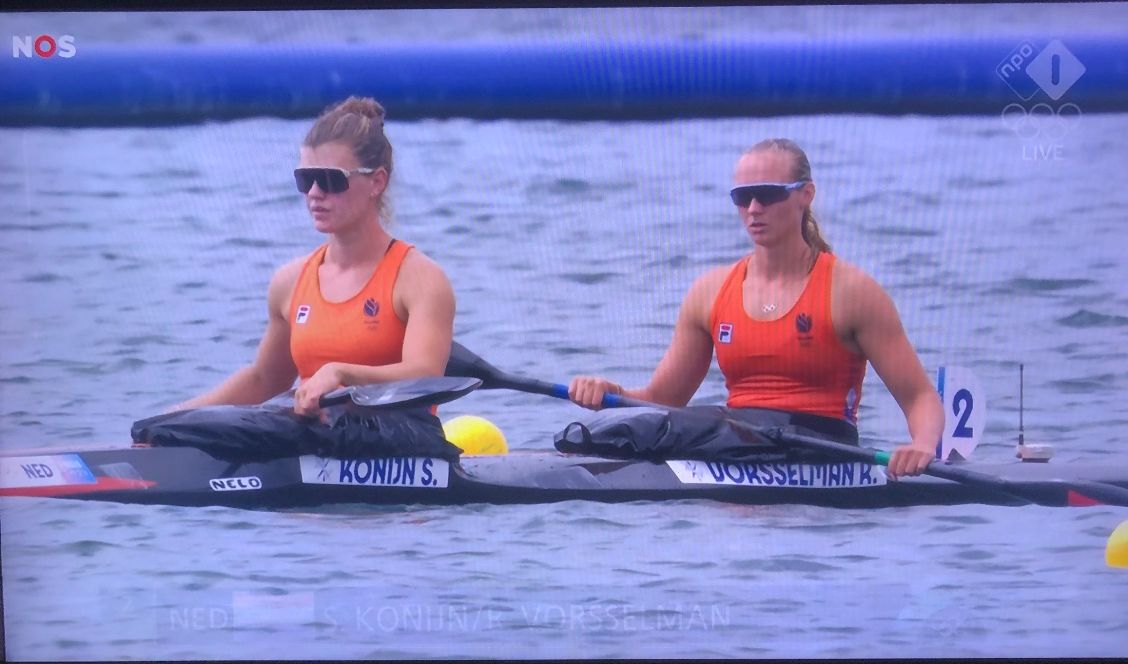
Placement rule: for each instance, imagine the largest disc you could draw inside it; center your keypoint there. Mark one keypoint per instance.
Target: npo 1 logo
(44, 46)
(1054, 70)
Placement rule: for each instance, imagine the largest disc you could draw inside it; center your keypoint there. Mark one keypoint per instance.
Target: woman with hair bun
(362, 308)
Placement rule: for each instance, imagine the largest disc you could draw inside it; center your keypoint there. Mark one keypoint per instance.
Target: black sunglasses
(329, 180)
(765, 192)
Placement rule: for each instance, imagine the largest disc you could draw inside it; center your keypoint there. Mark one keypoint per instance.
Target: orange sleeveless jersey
(795, 363)
(361, 330)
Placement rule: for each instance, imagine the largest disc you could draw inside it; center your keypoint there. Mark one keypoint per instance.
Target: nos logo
(45, 46)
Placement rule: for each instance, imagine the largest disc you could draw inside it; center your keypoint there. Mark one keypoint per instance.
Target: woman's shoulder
(712, 280)
(714, 277)
(288, 272)
(860, 297)
(422, 278)
(282, 284)
(719, 273)
(419, 263)
(706, 288)
(851, 277)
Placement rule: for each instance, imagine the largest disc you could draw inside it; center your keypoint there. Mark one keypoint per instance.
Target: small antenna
(1039, 453)
(1020, 381)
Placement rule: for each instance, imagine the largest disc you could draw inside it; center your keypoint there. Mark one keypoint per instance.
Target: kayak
(190, 477)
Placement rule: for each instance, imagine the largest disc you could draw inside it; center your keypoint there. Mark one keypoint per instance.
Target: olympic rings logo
(1041, 121)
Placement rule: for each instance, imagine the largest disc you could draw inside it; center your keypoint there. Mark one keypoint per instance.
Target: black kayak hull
(190, 477)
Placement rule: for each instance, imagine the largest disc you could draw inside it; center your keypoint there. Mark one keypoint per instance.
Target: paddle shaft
(463, 362)
(502, 380)
(1051, 492)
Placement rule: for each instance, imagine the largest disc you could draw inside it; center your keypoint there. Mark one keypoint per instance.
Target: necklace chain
(772, 306)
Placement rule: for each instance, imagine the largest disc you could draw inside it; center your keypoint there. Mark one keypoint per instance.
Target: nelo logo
(44, 46)
(235, 484)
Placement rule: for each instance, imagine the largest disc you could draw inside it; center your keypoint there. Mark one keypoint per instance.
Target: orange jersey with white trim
(795, 363)
(361, 330)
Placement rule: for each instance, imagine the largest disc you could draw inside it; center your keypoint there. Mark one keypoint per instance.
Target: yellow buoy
(1116, 552)
(475, 435)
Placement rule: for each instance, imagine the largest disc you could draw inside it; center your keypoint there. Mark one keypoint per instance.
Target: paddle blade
(464, 362)
(1116, 551)
(1099, 493)
(428, 391)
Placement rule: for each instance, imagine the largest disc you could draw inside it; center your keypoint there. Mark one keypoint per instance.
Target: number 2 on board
(962, 404)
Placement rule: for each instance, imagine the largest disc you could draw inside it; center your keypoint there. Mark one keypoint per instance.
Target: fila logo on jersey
(303, 315)
(724, 333)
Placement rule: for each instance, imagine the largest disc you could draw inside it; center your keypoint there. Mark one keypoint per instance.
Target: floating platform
(109, 85)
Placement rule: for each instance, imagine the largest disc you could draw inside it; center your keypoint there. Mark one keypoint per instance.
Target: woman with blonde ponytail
(792, 326)
(363, 307)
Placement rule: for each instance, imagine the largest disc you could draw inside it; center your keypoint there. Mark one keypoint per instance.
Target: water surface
(134, 266)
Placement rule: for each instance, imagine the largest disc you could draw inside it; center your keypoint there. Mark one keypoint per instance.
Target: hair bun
(365, 106)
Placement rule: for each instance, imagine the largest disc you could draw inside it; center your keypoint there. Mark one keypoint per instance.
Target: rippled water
(134, 265)
(139, 283)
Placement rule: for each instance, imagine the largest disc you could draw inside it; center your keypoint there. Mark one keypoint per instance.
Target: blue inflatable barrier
(104, 85)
